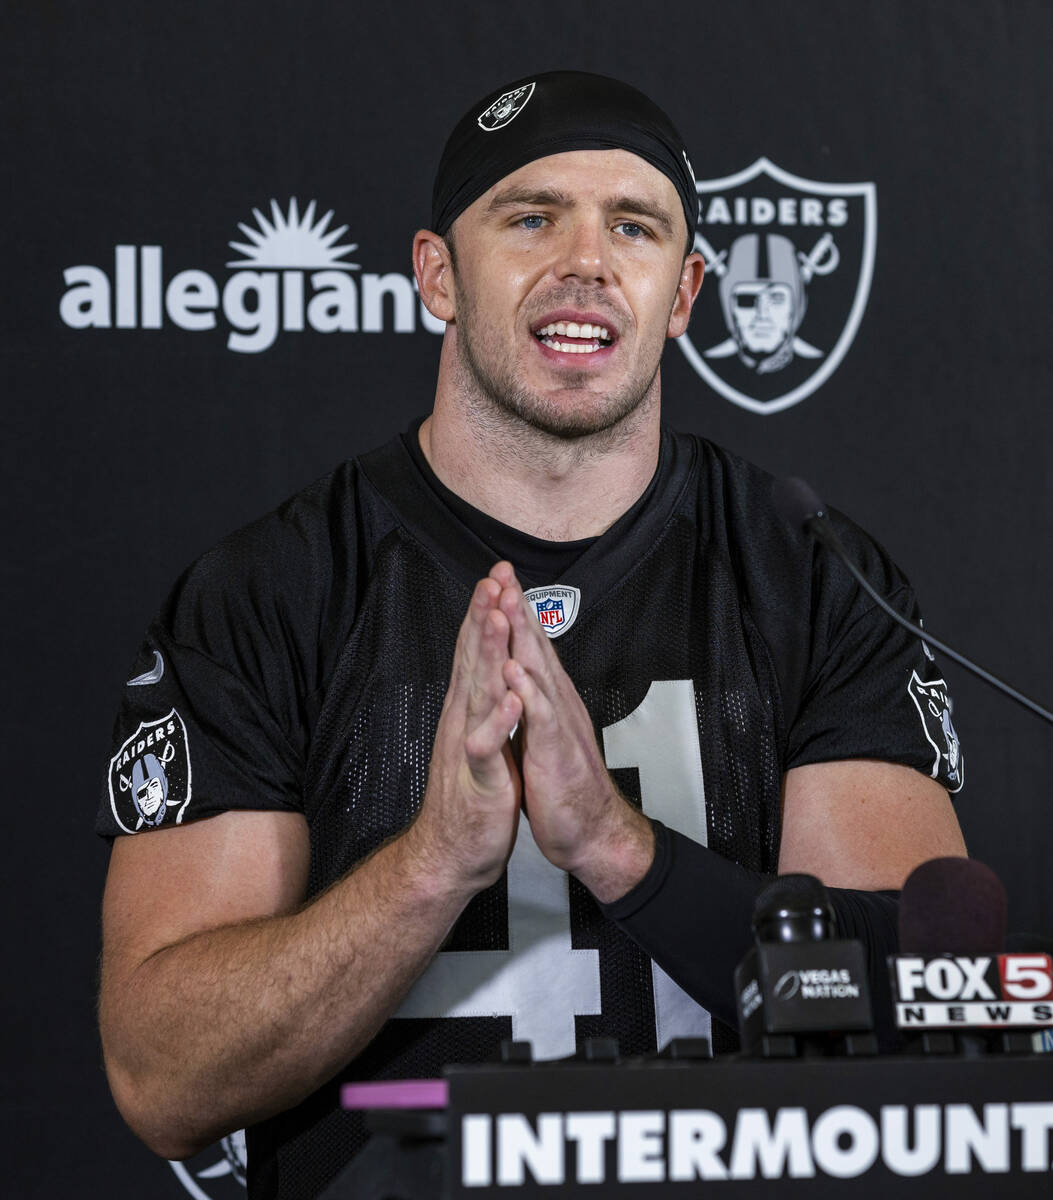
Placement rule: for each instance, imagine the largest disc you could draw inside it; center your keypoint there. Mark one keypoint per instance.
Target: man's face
(567, 283)
(763, 315)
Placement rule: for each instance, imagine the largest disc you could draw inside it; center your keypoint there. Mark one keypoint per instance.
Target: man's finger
(504, 574)
(538, 712)
(529, 644)
(513, 602)
(484, 747)
(466, 651)
(486, 686)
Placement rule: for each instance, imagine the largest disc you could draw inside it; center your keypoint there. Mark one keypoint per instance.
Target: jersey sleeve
(873, 690)
(214, 715)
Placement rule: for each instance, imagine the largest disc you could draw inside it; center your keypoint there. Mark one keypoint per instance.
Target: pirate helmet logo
(767, 237)
(763, 299)
(149, 786)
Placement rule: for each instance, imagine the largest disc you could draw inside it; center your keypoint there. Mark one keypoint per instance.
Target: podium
(913, 1127)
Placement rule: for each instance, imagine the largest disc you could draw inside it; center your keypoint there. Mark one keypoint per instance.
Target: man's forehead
(616, 178)
(599, 167)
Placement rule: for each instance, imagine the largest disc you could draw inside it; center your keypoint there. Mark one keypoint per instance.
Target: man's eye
(631, 229)
(533, 221)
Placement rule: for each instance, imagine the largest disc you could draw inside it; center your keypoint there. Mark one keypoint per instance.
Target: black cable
(819, 525)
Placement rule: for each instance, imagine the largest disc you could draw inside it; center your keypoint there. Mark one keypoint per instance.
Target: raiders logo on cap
(505, 108)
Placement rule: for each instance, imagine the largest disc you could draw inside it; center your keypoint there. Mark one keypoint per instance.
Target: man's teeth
(571, 347)
(549, 333)
(573, 329)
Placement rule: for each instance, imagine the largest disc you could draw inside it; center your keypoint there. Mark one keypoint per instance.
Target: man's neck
(549, 487)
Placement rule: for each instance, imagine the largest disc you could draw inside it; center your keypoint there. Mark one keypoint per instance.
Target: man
(370, 876)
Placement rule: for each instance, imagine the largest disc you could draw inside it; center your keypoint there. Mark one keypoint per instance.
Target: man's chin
(567, 415)
(562, 401)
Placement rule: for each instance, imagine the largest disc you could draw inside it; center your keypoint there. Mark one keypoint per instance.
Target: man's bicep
(167, 884)
(864, 824)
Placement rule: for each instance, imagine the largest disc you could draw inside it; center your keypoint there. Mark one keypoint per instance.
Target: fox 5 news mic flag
(954, 991)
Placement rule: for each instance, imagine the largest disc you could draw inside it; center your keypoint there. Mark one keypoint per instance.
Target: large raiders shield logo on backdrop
(789, 263)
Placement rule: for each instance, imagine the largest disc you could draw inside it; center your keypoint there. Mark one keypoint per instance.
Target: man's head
(563, 216)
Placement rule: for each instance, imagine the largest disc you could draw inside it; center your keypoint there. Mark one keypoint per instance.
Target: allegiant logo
(291, 277)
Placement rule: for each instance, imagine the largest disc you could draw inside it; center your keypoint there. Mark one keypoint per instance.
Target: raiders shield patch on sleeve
(934, 707)
(150, 775)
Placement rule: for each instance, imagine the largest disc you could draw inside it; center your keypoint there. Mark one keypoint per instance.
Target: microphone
(800, 989)
(952, 906)
(954, 986)
(793, 908)
(798, 504)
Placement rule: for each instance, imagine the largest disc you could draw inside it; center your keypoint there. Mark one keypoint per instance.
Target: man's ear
(433, 268)
(687, 290)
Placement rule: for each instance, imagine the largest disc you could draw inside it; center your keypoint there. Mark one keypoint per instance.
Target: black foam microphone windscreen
(952, 906)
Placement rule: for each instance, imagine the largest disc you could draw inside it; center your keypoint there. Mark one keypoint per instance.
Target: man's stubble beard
(497, 396)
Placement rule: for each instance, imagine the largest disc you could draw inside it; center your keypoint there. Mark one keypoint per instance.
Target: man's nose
(585, 252)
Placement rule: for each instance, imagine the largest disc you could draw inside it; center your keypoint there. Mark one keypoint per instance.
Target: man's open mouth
(572, 337)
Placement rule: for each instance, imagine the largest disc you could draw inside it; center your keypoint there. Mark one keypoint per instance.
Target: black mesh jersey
(303, 665)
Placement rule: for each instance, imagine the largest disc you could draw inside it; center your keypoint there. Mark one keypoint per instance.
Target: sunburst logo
(289, 241)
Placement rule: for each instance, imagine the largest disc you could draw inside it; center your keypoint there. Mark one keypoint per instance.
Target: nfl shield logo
(789, 262)
(555, 607)
(550, 614)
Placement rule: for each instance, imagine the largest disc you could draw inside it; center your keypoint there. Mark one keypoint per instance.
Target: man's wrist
(436, 877)
(620, 857)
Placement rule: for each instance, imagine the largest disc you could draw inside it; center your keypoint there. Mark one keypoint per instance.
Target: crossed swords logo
(823, 259)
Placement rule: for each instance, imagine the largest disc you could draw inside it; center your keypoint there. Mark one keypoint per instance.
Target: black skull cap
(550, 114)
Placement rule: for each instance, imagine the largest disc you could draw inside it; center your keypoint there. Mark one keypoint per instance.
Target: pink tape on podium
(400, 1093)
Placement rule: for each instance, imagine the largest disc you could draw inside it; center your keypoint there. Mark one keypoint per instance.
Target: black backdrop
(128, 450)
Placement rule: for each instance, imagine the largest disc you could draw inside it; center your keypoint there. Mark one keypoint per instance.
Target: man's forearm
(692, 914)
(234, 1024)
